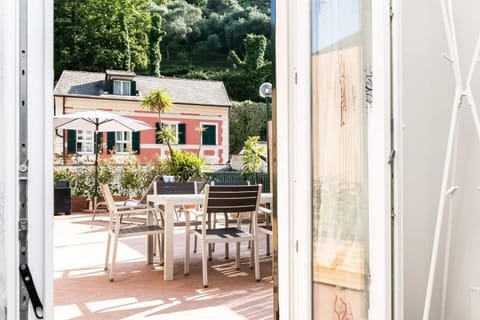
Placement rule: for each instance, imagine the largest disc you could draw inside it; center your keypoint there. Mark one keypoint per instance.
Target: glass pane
(84, 141)
(340, 64)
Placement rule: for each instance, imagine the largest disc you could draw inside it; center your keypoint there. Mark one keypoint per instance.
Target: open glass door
(341, 60)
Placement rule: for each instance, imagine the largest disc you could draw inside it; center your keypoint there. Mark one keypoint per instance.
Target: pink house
(198, 117)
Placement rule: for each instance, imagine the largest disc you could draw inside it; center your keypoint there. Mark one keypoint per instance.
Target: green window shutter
(182, 133)
(110, 141)
(71, 141)
(157, 131)
(133, 88)
(136, 142)
(209, 135)
(110, 86)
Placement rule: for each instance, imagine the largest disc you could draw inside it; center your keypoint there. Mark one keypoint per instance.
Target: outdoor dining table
(169, 201)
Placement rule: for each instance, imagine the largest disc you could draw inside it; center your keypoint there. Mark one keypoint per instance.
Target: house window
(178, 130)
(121, 87)
(84, 142)
(209, 134)
(123, 141)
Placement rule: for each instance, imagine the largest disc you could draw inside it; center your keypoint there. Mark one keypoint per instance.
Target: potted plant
(183, 165)
(252, 159)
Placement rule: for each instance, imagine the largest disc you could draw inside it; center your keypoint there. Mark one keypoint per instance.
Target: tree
(95, 35)
(159, 101)
(254, 58)
(180, 20)
(155, 37)
(247, 119)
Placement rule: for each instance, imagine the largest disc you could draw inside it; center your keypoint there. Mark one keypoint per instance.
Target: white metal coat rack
(461, 92)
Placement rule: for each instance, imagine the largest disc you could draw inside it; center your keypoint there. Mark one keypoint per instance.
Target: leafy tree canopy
(247, 119)
(96, 35)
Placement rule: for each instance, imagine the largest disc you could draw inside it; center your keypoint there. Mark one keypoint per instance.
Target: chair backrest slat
(232, 198)
(150, 189)
(108, 198)
(175, 187)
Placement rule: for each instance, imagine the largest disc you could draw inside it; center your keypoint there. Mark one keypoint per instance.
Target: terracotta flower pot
(79, 203)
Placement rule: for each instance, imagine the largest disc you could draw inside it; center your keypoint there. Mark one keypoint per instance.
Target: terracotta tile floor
(82, 289)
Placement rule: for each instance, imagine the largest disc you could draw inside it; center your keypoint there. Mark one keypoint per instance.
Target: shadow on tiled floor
(82, 289)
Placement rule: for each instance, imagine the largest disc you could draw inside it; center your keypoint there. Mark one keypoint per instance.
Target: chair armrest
(133, 210)
(265, 210)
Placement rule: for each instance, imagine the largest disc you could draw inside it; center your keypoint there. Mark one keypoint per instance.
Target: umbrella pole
(95, 149)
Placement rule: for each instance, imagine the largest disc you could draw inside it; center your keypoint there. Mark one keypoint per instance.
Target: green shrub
(130, 178)
(183, 165)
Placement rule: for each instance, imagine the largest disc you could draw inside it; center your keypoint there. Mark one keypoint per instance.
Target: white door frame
(294, 161)
(293, 158)
(40, 148)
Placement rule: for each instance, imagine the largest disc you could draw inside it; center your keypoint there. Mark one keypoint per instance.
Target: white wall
(423, 104)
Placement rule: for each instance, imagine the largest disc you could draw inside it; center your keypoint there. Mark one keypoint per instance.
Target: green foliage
(61, 174)
(181, 21)
(167, 135)
(181, 38)
(96, 35)
(160, 101)
(155, 37)
(254, 53)
(82, 181)
(157, 101)
(130, 178)
(106, 174)
(183, 165)
(247, 119)
(252, 160)
(81, 177)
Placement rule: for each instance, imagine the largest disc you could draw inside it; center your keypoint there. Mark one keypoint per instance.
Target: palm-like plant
(159, 101)
(201, 129)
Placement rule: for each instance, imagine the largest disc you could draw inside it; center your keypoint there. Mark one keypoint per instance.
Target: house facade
(198, 116)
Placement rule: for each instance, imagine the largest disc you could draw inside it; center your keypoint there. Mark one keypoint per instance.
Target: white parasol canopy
(97, 121)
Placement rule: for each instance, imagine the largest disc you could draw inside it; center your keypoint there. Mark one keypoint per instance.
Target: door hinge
(393, 215)
(391, 157)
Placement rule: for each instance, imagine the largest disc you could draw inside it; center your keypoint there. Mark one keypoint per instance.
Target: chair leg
(114, 257)
(107, 254)
(161, 236)
(250, 230)
(257, 264)
(237, 256)
(94, 212)
(252, 255)
(226, 243)
(160, 248)
(186, 263)
(195, 241)
(268, 244)
(204, 263)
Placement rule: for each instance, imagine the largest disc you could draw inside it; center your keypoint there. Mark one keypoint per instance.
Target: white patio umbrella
(97, 121)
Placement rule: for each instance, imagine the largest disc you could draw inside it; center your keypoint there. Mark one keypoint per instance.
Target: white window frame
(216, 133)
(84, 140)
(122, 87)
(126, 140)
